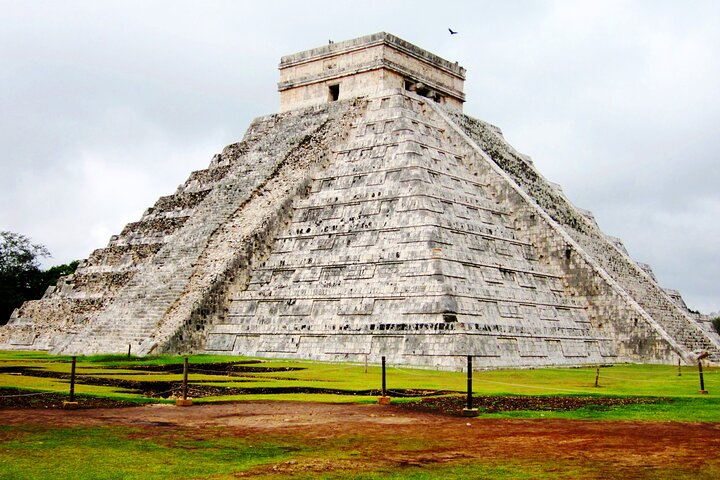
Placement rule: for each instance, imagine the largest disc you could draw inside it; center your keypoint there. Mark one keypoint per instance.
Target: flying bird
(451, 31)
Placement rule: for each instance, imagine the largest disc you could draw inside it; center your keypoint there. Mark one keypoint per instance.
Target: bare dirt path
(396, 437)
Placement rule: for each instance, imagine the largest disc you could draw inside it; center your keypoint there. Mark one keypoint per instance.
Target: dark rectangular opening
(334, 92)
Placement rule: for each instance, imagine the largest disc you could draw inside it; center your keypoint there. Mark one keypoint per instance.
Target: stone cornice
(382, 38)
(366, 67)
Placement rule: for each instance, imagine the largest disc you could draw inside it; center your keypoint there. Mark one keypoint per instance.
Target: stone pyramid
(369, 218)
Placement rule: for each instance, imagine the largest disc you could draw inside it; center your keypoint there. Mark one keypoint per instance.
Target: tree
(716, 323)
(20, 276)
(52, 274)
(17, 253)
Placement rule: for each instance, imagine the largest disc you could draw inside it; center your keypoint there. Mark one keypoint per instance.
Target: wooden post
(185, 373)
(184, 402)
(72, 379)
(384, 399)
(129, 348)
(71, 404)
(597, 377)
(384, 384)
(679, 368)
(469, 382)
(702, 380)
(469, 411)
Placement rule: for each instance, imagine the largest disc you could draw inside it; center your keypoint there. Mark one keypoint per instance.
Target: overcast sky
(105, 106)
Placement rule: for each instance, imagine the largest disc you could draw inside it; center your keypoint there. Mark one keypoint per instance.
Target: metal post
(383, 378)
(597, 376)
(679, 368)
(469, 382)
(185, 375)
(129, 347)
(72, 379)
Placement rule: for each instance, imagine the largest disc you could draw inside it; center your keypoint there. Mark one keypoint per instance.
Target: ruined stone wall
(360, 229)
(655, 304)
(145, 284)
(410, 245)
(447, 80)
(295, 69)
(244, 240)
(360, 84)
(68, 308)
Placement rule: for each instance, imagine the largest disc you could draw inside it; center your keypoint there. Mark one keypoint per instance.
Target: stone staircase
(626, 272)
(397, 241)
(141, 308)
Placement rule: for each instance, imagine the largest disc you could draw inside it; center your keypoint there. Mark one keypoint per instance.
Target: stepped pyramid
(369, 218)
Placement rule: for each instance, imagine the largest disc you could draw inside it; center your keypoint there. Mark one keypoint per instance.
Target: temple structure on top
(369, 218)
(365, 66)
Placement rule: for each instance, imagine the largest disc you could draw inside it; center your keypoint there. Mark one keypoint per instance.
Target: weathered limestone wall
(447, 78)
(244, 240)
(355, 230)
(608, 312)
(656, 307)
(68, 308)
(414, 245)
(166, 270)
(363, 67)
(332, 61)
(361, 84)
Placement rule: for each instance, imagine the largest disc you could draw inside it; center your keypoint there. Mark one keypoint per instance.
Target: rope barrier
(539, 387)
(223, 373)
(407, 372)
(635, 380)
(32, 394)
(405, 394)
(226, 373)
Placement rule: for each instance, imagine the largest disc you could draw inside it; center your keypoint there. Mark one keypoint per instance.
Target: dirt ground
(615, 449)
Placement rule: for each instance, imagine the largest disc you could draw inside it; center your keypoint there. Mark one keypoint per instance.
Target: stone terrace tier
(412, 244)
(158, 274)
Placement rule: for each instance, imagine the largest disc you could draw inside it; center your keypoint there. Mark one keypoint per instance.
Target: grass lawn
(97, 453)
(117, 453)
(118, 377)
(128, 452)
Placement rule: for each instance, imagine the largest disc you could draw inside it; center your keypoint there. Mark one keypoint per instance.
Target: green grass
(222, 453)
(123, 453)
(514, 470)
(477, 470)
(117, 453)
(619, 380)
(626, 380)
(219, 453)
(676, 410)
(38, 452)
